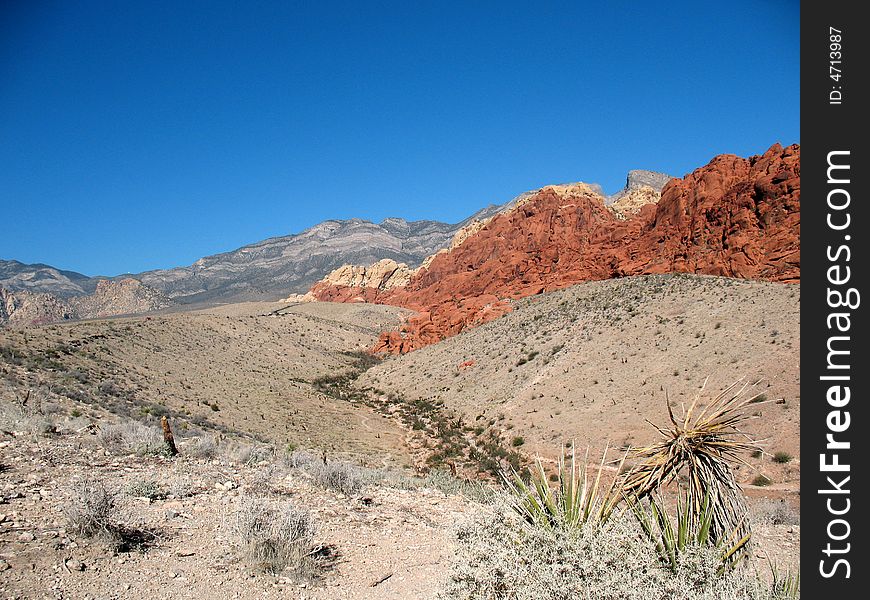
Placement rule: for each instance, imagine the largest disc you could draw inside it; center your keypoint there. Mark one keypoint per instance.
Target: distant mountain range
(38, 278)
(266, 270)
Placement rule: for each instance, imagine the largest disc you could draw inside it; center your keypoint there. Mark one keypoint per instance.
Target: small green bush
(782, 457)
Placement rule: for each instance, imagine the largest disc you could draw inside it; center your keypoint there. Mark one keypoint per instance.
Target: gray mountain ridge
(263, 270)
(283, 265)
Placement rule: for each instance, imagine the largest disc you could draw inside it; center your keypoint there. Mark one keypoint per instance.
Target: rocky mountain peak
(734, 217)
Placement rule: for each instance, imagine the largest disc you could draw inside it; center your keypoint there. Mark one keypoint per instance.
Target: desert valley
(388, 380)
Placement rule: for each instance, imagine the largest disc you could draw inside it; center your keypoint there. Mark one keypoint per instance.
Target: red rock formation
(735, 217)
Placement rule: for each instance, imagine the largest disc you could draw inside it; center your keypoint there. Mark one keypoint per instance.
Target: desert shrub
(782, 457)
(131, 437)
(500, 558)
(109, 388)
(774, 512)
(276, 538)
(30, 419)
(247, 454)
(518, 441)
(203, 446)
(761, 480)
(299, 459)
(38, 424)
(260, 481)
(146, 488)
(338, 476)
(91, 509)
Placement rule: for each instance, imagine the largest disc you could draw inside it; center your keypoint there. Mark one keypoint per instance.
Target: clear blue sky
(137, 135)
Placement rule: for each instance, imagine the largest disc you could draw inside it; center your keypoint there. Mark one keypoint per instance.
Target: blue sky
(144, 135)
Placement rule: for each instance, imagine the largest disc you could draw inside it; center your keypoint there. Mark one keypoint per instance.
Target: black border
(827, 127)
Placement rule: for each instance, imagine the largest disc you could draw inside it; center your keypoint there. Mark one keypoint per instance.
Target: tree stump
(168, 440)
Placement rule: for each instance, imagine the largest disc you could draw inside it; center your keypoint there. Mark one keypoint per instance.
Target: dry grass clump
(202, 446)
(277, 538)
(340, 477)
(29, 414)
(299, 459)
(131, 437)
(91, 510)
(774, 512)
(247, 454)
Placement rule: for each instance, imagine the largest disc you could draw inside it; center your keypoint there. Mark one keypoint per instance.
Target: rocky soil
(385, 542)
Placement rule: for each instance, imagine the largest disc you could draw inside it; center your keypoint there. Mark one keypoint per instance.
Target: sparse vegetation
(761, 480)
(504, 553)
(203, 446)
(340, 477)
(276, 538)
(498, 558)
(146, 488)
(782, 457)
(91, 510)
(568, 529)
(774, 512)
(131, 437)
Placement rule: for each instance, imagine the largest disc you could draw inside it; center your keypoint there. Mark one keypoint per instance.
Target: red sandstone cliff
(735, 217)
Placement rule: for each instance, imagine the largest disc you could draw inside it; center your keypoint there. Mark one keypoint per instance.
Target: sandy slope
(590, 363)
(253, 362)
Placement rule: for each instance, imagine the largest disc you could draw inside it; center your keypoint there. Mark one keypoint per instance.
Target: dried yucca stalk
(702, 442)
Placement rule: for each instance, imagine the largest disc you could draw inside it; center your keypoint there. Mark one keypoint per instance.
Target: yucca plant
(692, 530)
(702, 443)
(787, 585)
(572, 503)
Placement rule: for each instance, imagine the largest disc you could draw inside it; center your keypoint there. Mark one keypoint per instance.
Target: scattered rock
(75, 565)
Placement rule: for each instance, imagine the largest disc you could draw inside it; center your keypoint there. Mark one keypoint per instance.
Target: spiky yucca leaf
(693, 529)
(573, 503)
(703, 442)
(786, 586)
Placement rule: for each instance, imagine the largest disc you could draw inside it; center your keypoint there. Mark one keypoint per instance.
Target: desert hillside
(243, 368)
(591, 362)
(295, 477)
